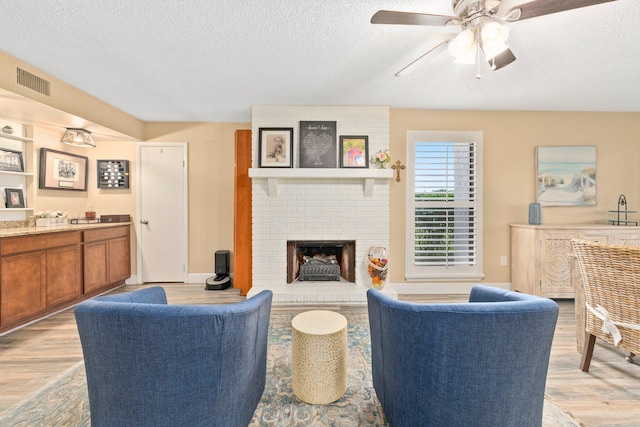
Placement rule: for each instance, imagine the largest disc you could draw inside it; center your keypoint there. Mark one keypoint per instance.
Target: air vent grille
(33, 82)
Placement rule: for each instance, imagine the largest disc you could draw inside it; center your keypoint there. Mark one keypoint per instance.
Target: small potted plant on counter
(7, 129)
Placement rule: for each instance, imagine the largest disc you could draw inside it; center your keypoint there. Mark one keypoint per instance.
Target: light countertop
(27, 231)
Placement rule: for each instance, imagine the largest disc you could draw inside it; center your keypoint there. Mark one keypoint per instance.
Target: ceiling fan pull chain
(478, 76)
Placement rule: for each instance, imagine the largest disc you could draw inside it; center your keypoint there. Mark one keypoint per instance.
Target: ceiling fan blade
(411, 67)
(502, 59)
(410, 18)
(536, 8)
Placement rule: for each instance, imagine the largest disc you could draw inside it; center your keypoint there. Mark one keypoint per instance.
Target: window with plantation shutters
(444, 212)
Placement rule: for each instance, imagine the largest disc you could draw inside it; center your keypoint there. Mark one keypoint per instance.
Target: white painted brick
(313, 209)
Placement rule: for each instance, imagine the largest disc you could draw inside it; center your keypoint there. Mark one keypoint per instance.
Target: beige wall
(67, 98)
(76, 203)
(211, 170)
(104, 202)
(510, 139)
(509, 162)
(211, 150)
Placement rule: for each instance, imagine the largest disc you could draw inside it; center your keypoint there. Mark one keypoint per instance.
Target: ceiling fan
(482, 27)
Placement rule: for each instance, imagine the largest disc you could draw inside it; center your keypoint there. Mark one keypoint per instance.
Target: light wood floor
(609, 395)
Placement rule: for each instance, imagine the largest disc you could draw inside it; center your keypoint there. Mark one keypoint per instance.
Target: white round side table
(319, 349)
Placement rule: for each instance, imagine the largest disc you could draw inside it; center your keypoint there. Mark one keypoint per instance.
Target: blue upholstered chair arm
(153, 364)
(471, 364)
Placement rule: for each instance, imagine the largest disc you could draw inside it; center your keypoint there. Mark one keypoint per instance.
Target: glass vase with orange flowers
(378, 264)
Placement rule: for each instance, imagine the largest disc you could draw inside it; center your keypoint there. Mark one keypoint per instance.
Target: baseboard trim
(441, 288)
(401, 288)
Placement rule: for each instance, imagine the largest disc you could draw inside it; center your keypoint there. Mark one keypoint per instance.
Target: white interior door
(162, 212)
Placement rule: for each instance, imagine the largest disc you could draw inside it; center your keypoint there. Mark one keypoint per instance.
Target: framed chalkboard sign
(318, 145)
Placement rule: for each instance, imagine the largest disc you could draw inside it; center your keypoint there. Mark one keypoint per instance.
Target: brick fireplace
(318, 205)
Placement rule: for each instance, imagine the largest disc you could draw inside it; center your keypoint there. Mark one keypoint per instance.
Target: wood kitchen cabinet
(45, 271)
(107, 259)
(38, 273)
(540, 254)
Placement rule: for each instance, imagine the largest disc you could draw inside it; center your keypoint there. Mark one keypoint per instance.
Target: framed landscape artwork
(354, 151)
(62, 171)
(275, 147)
(566, 176)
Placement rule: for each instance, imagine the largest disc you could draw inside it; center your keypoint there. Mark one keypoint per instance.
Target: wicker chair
(611, 279)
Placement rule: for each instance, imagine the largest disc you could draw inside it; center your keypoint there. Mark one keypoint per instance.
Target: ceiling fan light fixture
(493, 36)
(502, 59)
(78, 138)
(464, 47)
(493, 31)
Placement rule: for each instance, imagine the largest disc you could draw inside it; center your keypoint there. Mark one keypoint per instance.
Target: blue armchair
(482, 363)
(153, 364)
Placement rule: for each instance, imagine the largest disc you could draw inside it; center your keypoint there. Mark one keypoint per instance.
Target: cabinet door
(63, 275)
(627, 239)
(119, 260)
(592, 236)
(555, 267)
(96, 272)
(22, 286)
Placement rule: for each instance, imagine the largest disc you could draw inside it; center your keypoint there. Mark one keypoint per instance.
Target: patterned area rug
(280, 407)
(64, 401)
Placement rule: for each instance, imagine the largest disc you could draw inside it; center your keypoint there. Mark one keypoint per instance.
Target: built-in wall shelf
(16, 173)
(275, 175)
(17, 138)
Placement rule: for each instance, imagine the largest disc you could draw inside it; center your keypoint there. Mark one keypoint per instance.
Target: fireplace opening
(321, 260)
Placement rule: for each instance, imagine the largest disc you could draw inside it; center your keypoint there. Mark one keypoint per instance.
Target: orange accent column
(242, 246)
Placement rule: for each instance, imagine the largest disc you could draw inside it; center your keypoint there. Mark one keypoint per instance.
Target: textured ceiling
(210, 60)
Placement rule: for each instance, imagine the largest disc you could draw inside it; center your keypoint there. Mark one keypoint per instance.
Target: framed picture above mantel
(275, 147)
(354, 151)
(318, 144)
(60, 170)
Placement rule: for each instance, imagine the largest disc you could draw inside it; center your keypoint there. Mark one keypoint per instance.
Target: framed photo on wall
(62, 171)
(354, 151)
(566, 176)
(318, 145)
(14, 197)
(275, 147)
(11, 160)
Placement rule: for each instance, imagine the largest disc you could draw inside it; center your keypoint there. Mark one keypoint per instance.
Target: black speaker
(222, 262)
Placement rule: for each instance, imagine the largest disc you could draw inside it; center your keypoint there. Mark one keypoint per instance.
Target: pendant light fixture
(78, 138)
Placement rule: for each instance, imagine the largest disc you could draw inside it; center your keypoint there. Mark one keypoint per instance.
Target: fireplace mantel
(274, 175)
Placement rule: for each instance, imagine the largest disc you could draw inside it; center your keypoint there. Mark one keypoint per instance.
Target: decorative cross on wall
(398, 167)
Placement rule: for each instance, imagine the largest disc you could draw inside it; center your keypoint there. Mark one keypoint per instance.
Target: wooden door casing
(242, 235)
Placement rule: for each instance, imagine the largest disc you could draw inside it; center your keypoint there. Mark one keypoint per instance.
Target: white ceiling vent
(33, 82)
